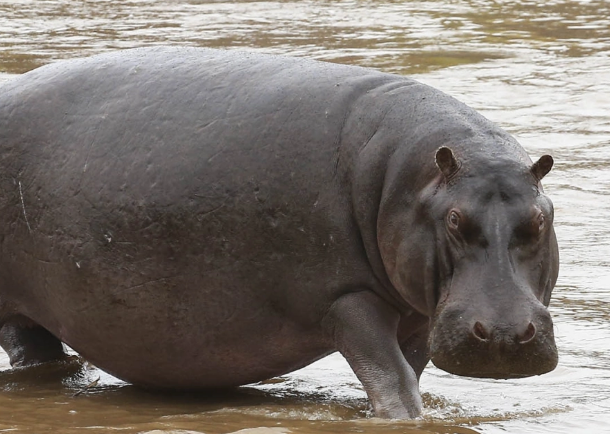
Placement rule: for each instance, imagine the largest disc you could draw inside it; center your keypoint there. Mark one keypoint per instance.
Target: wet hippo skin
(191, 218)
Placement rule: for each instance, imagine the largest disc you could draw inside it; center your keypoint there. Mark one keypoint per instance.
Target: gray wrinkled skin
(193, 218)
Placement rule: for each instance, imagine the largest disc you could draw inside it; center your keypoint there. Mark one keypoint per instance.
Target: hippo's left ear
(446, 162)
(541, 167)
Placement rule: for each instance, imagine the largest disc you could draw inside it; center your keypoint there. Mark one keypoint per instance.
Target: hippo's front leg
(414, 341)
(364, 329)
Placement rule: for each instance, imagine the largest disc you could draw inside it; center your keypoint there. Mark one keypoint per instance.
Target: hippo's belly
(192, 345)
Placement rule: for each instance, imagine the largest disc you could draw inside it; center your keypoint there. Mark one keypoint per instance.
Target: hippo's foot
(28, 344)
(37, 357)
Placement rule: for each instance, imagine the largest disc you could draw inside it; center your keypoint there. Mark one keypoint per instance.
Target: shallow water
(539, 69)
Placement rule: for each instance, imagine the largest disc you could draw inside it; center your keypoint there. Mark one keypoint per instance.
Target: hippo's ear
(446, 162)
(541, 167)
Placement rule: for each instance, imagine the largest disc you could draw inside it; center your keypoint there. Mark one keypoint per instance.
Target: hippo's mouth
(465, 348)
(501, 365)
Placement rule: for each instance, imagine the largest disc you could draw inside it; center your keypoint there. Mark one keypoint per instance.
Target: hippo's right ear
(542, 167)
(446, 162)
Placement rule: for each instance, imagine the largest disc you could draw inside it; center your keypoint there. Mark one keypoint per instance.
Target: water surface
(539, 69)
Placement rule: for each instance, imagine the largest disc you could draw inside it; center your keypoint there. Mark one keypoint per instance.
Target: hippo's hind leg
(28, 344)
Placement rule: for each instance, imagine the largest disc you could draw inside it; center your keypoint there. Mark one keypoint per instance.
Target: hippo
(193, 219)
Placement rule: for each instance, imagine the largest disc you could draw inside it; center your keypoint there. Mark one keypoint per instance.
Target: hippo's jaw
(464, 342)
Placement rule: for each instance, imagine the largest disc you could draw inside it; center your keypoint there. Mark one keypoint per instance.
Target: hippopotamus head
(481, 243)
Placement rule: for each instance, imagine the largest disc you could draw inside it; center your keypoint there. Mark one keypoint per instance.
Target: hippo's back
(186, 205)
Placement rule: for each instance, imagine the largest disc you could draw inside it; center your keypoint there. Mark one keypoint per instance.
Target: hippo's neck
(369, 143)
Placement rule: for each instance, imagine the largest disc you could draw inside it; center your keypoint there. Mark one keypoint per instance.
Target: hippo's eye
(453, 218)
(540, 222)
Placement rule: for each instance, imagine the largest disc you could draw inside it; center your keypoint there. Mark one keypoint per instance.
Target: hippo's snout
(507, 346)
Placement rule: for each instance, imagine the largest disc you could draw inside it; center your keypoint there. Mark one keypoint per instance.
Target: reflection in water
(540, 69)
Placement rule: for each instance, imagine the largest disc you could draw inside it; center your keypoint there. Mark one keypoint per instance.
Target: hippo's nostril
(479, 332)
(528, 335)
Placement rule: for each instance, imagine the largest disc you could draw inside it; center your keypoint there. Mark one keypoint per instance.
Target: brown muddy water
(541, 69)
